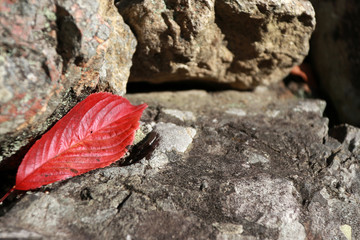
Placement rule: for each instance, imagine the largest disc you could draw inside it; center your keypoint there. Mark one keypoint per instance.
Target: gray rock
(182, 115)
(273, 204)
(16, 233)
(271, 173)
(335, 54)
(241, 43)
(174, 137)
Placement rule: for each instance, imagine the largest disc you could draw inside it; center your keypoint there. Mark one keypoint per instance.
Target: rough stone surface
(53, 54)
(120, 48)
(271, 172)
(336, 55)
(241, 43)
(30, 67)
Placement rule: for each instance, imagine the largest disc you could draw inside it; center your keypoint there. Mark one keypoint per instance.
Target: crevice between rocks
(68, 38)
(121, 204)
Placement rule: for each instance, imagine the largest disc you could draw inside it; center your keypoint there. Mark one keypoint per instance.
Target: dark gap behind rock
(144, 87)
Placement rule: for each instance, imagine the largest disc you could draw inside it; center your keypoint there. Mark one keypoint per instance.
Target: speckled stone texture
(271, 172)
(222, 165)
(241, 43)
(53, 54)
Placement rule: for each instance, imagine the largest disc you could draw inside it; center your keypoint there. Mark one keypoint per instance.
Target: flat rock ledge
(224, 165)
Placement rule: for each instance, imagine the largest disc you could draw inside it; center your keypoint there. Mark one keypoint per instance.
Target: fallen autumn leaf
(94, 134)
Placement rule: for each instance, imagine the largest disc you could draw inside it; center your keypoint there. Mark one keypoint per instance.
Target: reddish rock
(53, 54)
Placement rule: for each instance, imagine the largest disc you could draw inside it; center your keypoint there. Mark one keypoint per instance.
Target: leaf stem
(7, 194)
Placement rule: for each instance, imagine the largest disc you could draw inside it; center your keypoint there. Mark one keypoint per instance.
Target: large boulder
(234, 165)
(240, 43)
(335, 53)
(52, 54)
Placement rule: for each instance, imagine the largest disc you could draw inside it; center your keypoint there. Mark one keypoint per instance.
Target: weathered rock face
(52, 55)
(232, 166)
(336, 55)
(30, 67)
(119, 51)
(241, 43)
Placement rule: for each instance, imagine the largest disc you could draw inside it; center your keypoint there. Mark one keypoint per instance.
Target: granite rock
(52, 55)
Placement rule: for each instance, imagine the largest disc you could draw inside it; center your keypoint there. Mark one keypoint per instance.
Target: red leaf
(94, 134)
